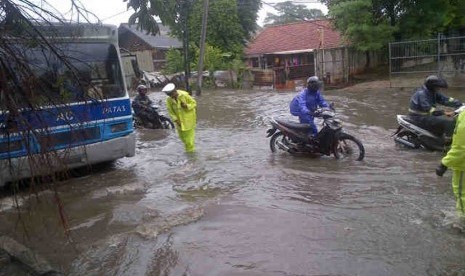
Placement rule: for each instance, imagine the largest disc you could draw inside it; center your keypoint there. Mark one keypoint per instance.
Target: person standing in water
(455, 160)
(182, 110)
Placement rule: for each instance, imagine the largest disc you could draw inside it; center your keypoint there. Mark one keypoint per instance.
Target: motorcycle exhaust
(405, 142)
(282, 146)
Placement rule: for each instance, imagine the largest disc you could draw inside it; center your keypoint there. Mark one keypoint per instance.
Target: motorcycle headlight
(335, 124)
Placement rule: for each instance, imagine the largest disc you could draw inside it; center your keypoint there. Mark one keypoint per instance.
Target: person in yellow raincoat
(182, 110)
(455, 160)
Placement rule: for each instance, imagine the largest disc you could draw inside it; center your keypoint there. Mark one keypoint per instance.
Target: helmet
(169, 88)
(433, 82)
(313, 83)
(141, 88)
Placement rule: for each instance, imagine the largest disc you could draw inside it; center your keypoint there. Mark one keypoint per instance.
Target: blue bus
(79, 112)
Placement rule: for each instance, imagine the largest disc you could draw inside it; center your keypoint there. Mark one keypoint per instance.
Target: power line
(111, 16)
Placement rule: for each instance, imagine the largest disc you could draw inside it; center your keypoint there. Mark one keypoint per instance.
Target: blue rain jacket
(304, 104)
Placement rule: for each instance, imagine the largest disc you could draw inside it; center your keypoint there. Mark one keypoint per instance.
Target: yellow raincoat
(455, 160)
(185, 119)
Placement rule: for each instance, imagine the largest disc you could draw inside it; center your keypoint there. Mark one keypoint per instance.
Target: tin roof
(162, 40)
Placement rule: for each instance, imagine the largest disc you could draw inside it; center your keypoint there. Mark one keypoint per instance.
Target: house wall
(145, 60)
(159, 59)
(286, 69)
(128, 69)
(148, 58)
(333, 66)
(338, 65)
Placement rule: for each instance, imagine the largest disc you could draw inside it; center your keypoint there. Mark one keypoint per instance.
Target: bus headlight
(119, 127)
(10, 146)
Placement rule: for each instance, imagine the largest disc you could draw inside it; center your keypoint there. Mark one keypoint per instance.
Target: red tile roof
(295, 37)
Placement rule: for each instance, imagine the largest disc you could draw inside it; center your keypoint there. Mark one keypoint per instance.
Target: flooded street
(235, 208)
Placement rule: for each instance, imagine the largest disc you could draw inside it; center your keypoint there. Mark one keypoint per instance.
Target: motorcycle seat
(409, 119)
(293, 125)
(416, 125)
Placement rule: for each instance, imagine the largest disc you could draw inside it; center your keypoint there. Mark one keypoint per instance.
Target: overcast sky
(115, 11)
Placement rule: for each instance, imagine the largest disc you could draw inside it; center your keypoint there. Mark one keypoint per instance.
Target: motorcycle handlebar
(318, 112)
(460, 109)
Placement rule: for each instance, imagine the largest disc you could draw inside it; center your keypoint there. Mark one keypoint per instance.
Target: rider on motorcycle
(142, 105)
(306, 102)
(423, 110)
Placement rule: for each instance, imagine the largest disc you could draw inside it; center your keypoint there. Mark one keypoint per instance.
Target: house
(284, 55)
(150, 50)
(289, 51)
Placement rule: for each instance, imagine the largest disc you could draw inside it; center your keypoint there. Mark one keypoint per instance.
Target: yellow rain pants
(185, 118)
(455, 160)
(188, 138)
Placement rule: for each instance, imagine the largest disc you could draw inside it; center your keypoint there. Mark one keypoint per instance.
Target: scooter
(412, 136)
(292, 137)
(156, 120)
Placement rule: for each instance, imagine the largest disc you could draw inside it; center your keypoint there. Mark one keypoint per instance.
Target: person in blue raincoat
(182, 110)
(307, 101)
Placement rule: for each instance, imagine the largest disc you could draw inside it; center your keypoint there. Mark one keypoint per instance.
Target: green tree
(230, 23)
(357, 24)
(407, 19)
(213, 59)
(247, 11)
(145, 12)
(172, 12)
(224, 30)
(430, 17)
(174, 62)
(289, 12)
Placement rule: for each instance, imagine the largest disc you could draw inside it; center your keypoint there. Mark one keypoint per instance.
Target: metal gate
(410, 62)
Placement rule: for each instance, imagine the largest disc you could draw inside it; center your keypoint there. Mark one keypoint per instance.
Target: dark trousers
(438, 125)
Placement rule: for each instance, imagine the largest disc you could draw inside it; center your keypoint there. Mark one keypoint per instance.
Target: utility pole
(185, 42)
(202, 48)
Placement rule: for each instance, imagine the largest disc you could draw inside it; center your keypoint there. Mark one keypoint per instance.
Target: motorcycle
(412, 136)
(156, 120)
(293, 137)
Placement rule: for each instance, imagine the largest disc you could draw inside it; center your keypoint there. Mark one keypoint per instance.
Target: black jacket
(424, 101)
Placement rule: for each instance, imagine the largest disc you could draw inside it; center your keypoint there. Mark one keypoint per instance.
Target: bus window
(87, 71)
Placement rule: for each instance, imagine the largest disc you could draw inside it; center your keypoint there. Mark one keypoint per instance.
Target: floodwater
(235, 208)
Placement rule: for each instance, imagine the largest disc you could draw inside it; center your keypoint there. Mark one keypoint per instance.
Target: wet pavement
(235, 208)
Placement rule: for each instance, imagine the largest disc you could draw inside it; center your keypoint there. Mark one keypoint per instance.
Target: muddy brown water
(234, 208)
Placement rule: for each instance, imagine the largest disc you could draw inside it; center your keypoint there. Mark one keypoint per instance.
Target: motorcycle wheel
(409, 137)
(137, 122)
(276, 138)
(348, 147)
(166, 123)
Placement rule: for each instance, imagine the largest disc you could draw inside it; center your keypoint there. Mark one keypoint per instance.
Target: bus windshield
(74, 72)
